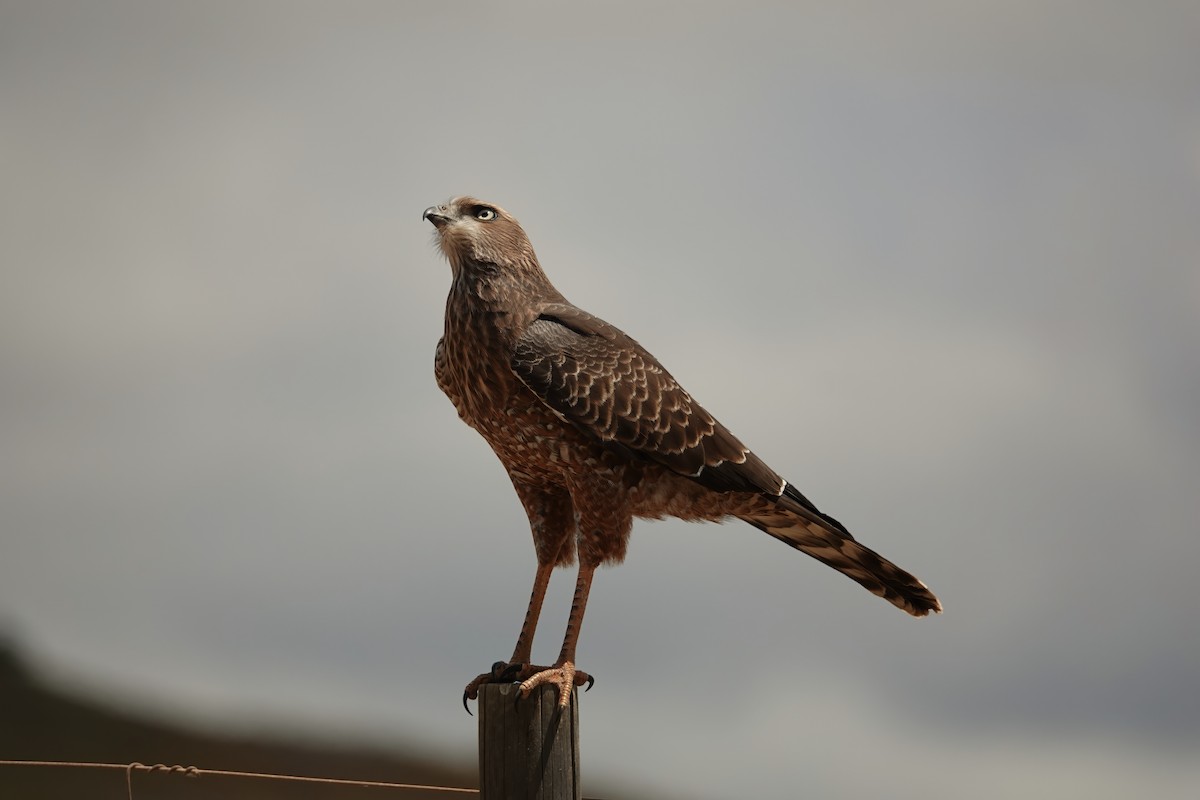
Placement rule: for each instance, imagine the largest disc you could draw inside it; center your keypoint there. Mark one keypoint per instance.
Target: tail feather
(801, 526)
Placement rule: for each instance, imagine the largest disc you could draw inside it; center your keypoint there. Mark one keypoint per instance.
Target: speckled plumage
(593, 432)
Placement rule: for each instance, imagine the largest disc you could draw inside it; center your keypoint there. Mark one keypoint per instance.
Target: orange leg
(518, 666)
(563, 673)
(524, 649)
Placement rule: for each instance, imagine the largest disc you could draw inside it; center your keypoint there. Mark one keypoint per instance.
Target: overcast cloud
(937, 264)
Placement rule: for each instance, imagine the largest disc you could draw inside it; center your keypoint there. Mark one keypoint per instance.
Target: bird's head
(473, 233)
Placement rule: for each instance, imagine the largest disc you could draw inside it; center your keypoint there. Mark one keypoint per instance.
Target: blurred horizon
(49, 721)
(938, 265)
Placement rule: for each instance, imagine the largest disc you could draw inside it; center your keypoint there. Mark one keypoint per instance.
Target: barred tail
(792, 519)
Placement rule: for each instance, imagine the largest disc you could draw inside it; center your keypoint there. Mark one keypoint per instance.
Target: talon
(491, 676)
(562, 675)
(590, 683)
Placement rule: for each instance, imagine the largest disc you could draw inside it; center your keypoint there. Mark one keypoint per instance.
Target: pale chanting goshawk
(593, 432)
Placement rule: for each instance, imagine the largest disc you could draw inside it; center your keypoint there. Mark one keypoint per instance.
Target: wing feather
(595, 376)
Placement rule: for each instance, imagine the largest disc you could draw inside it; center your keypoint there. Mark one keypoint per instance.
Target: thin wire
(193, 772)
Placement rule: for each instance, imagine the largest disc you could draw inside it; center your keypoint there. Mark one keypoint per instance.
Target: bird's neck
(504, 299)
(502, 288)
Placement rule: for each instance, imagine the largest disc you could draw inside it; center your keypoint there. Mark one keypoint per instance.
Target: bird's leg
(553, 525)
(518, 667)
(524, 649)
(563, 673)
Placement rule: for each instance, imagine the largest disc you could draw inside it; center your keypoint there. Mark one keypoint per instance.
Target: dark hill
(40, 722)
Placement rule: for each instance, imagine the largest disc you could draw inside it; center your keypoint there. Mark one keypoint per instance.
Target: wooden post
(530, 750)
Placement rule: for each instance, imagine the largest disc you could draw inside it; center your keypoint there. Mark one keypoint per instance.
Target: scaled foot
(563, 675)
(501, 672)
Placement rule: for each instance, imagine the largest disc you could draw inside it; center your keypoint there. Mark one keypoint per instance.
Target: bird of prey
(593, 432)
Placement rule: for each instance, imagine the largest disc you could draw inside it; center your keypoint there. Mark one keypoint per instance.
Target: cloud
(935, 266)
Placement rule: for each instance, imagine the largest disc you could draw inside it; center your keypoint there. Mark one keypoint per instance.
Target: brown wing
(595, 376)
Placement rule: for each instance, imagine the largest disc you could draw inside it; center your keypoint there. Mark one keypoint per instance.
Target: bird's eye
(485, 214)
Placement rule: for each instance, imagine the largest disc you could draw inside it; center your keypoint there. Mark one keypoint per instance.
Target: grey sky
(938, 265)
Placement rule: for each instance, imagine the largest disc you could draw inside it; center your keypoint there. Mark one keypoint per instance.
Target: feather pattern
(597, 377)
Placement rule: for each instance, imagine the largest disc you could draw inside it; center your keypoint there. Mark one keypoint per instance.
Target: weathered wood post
(527, 750)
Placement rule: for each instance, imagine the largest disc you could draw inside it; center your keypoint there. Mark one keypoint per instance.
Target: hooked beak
(436, 215)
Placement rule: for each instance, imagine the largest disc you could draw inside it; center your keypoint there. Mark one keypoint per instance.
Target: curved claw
(500, 671)
(591, 681)
(517, 694)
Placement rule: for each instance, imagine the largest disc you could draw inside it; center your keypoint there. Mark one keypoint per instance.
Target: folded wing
(595, 376)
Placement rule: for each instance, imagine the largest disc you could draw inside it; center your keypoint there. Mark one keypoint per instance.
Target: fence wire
(196, 772)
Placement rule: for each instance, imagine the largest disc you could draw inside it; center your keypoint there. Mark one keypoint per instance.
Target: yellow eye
(485, 214)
